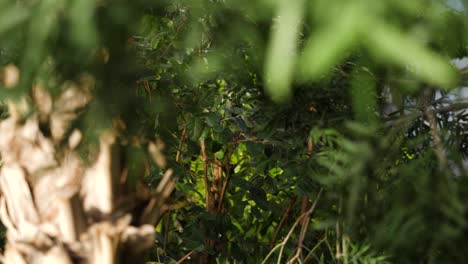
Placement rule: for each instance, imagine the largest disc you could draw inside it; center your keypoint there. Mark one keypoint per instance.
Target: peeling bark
(56, 208)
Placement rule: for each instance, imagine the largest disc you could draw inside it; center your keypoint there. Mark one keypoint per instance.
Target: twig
(166, 232)
(225, 184)
(330, 249)
(344, 248)
(185, 257)
(216, 182)
(304, 203)
(147, 88)
(205, 174)
(181, 142)
(282, 221)
(304, 228)
(299, 220)
(311, 252)
(305, 221)
(405, 118)
(310, 147)
(435, 134)
(288, 236)
(337, 243)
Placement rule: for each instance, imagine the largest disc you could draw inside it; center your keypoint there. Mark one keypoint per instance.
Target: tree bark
(56, 207)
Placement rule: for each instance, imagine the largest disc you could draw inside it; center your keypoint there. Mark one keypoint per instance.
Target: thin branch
(205, 175)
(225, 184)
(282, 221)
(184, 258)
(396, 120)
(311, 252)
(337, 244)
(288, 236)
(302, 234)
(181, 143)
(435, 136)
(305, 226)
(166, 232)
(306, 220)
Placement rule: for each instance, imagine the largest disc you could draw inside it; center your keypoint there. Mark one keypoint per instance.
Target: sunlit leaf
(394, 46)
(281, 54)
(11, 17)
(364, 97)
(329, 45)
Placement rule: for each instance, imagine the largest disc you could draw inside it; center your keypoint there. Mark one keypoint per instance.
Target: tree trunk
(56, 207)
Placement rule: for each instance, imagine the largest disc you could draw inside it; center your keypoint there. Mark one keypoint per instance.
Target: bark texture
(59, 209)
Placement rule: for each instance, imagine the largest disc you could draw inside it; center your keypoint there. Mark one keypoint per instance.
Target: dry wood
(58, 209)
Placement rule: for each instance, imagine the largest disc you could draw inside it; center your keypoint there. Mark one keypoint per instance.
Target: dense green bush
(342, 113)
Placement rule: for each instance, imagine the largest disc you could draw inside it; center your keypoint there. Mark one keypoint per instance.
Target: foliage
(262, 104)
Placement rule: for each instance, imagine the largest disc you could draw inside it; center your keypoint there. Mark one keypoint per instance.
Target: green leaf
(364, 97)
(281, 53)
(83, 31)
(195, 129)
(42, 26)
(394, 46)
(255, 149)
(219, 154)
(275, 171)
(11, 17)
(214, 121)
(329, 45)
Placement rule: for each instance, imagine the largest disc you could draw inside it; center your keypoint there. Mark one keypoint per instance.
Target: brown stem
(217, 180)
(184, 258)
(282, 221)
(436, 137)
(291, 230)
(147, 88)
(435, 133)
(304, 227)
(225, 184)
(181, 142)
(304, 203)
(310, 147)
(166, 231)
(337, 244)
(205, 174)
(405, 118)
